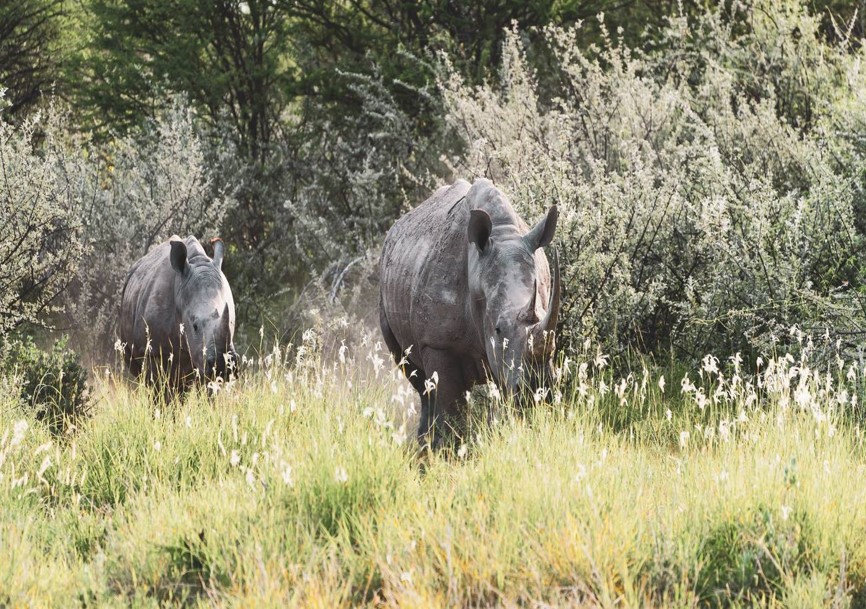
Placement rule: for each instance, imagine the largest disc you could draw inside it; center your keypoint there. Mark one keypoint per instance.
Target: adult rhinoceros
(465, 289)
(177, 315)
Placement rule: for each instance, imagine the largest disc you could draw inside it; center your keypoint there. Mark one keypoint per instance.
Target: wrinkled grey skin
(177, 283)
(466, 285)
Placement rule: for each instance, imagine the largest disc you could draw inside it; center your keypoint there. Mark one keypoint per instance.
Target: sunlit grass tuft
(301, 484)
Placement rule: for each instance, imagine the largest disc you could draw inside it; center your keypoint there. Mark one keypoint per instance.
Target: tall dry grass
(301, 484)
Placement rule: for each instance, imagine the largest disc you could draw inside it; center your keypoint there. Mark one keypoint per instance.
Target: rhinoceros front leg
(443, 403)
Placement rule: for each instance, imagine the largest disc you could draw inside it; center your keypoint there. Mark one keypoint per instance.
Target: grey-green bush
(707, 187)
(41, 235)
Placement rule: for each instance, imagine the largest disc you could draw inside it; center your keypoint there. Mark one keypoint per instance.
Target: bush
(329, 191)
(52, 383)
(136, 191)
(77, 213)
(41, 235)
(707, 187)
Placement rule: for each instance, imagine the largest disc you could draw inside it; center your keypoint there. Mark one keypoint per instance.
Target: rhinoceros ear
(480, 227)
(178, 256)
(218, 251)
(542, 233)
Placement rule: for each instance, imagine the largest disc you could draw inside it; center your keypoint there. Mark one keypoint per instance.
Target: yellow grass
(301, 484)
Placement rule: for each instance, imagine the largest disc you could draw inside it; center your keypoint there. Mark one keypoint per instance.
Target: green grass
(301, 485)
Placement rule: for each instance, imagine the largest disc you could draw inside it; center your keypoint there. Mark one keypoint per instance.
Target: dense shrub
(41, 235)
(77, 213)
(137, 191)
(332, 188)
(53, 383)
(708, 187)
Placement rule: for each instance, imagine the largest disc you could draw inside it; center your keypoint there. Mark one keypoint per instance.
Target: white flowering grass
(301, 485)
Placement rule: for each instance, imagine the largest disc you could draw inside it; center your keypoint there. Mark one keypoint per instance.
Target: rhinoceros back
(423, 284)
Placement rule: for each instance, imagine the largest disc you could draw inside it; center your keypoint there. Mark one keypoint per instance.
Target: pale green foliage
(41, 233)
(348, 180)
(707, 190)
(359, 174)
(137, 192)
(300, 484)
(77, 214)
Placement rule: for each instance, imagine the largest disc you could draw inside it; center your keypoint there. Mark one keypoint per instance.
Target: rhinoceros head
(505, 277)
(205, 308)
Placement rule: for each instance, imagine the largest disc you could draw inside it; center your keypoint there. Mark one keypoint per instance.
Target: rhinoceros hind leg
(131, 359)
(413, 373)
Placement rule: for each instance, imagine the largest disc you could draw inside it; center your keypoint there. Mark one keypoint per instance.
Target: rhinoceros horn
(548, 324)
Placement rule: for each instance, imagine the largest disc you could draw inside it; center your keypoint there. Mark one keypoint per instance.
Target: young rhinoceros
(178, 299)
(465, 288)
